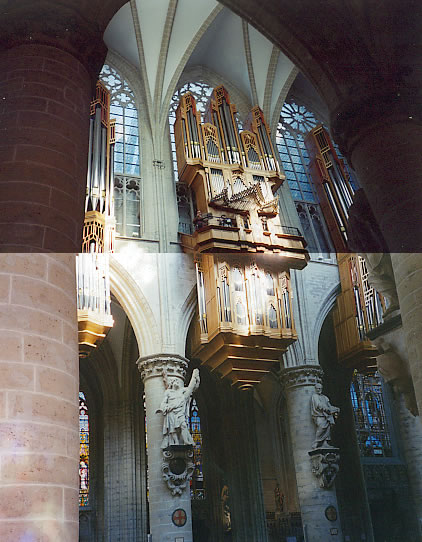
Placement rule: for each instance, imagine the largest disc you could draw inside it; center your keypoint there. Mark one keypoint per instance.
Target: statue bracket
(177, 467)
(325, 465)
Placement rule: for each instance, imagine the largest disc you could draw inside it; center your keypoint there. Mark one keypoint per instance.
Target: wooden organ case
(243, 254)
(92, 266)
(359, 308)
(233, 178)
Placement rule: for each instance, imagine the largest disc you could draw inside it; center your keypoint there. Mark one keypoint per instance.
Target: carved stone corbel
(177, 468)
(325, 465)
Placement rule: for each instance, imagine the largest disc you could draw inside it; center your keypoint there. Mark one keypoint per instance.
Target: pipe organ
(93, 300)
(359, 308)
(99, 225)
(245, 318)
(335, 192)
(233, 177)
(92, 266)
(243, 254)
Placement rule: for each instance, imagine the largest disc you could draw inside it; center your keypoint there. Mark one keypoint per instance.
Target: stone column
(246, 496)
(162, 503)
(49, 60)
(411, 441)
(408, 276)
(298, 384)
(39, 382)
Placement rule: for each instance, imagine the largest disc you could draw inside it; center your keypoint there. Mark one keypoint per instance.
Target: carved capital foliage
(177, 468)
(325, 465)
(305, 375)
(153, 366)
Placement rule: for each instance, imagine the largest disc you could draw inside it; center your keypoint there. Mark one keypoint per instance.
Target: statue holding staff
(175, 407)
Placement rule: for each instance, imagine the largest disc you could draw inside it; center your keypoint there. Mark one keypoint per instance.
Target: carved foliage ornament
(325, 466)
(177, 468)
(301, 376)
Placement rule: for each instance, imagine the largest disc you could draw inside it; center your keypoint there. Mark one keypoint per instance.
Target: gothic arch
(136, 307)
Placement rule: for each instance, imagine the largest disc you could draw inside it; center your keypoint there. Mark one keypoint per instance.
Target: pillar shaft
(408, 276)
(298, 384)
(386, 158)
(39, 382)
(411, 440)
(162, 503)
(50, 56)
(44, 123)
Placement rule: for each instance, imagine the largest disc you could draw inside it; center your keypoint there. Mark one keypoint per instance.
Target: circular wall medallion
(179, 517)
(331, 513)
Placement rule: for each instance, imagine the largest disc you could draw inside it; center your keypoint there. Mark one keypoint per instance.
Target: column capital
(303, 375)
(153, 365)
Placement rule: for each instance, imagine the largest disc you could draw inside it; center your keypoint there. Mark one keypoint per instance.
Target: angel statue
(175, 407)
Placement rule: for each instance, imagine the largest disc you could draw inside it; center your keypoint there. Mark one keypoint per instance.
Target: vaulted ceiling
(165, 38)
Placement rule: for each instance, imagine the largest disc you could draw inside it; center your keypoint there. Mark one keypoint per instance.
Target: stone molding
(297, 377)
(153, 366)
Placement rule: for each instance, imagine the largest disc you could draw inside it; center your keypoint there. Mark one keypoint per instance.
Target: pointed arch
(136, 307)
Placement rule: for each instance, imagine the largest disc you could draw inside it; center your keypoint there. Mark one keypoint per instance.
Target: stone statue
(175, 408)
(381, 277)
(323, 415)
(394, 370)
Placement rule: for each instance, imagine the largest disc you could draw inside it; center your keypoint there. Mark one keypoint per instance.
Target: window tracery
(295, 122)
(126, 158)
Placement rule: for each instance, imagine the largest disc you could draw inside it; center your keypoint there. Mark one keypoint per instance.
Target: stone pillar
(298, 384)
(411, 441)
(408, 276)
(162, 503)
(386, 159)
(246, 495)
(39, 382)
(49, 60)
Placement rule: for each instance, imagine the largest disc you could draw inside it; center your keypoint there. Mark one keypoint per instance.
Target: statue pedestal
(325, 465)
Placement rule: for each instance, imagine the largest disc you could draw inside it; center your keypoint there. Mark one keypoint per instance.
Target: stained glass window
(127, 185)
(83, 451)
(369, 413)
(295, 122)
(197, 487)
(201, 92)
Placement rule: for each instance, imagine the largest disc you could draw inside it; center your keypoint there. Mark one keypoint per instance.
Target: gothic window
(197, 481)
(83, 451)
(370, 418)
(126, 163)
(201, 91)
(295, 122)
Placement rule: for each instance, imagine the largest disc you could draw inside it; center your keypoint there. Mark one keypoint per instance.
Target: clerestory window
(126, 163)
(295, 122)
